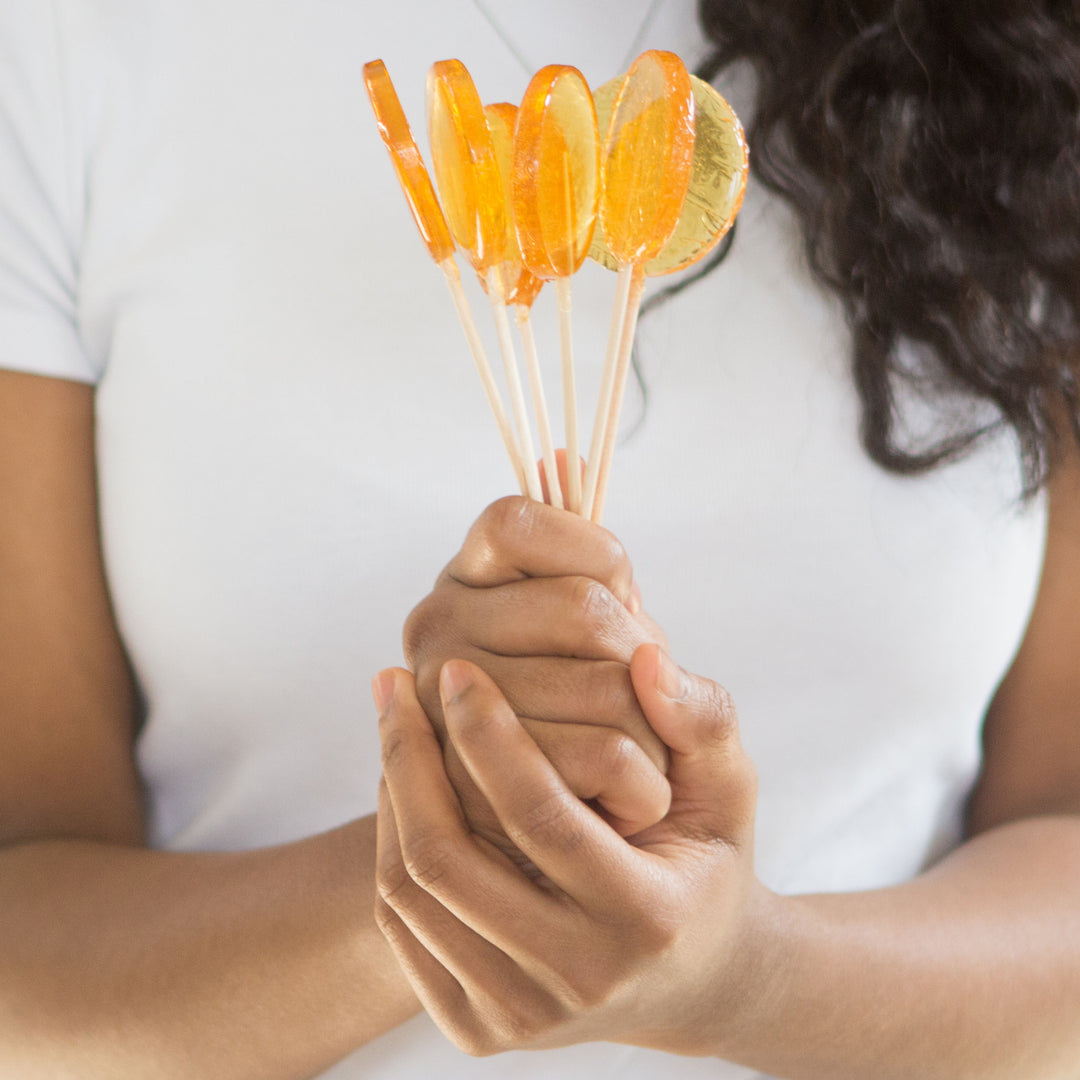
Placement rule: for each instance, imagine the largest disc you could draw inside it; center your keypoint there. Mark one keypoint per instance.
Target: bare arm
(116, 960)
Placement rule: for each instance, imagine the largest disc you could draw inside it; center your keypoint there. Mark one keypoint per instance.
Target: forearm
(125, 962)
(970, 971)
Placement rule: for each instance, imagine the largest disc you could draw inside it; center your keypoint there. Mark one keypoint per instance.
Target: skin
(116, 960)
(666, 938)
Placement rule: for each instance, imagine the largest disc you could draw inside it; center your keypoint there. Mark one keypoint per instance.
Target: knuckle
(592, 606)
(548, 821)
(718, 717)
(618, 757)
(620, 573)
(421, 627)
(426, 859)
(395, 746)
(391, 881)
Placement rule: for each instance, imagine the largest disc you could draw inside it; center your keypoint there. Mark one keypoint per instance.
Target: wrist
(755, 976)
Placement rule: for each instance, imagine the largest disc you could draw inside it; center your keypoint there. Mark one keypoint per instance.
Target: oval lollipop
(555, 194)
(430, 221)
(408, 164)
(522, 288)
(645, 170)
(717, 181)
(466, 167)
(467, 172)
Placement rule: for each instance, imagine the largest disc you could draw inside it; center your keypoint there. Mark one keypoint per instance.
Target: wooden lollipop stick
(570, 419)
(626, 349)
(607, 388)
(536, 385)
(487, 379)
(517, 395)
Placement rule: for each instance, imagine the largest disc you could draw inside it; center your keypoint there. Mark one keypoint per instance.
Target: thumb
(712, 778)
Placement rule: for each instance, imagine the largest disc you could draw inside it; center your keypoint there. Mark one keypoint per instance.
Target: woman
(184, 225)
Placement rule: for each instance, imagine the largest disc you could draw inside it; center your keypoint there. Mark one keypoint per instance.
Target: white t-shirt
(197, 214)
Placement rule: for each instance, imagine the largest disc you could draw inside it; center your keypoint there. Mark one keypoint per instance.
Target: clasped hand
(524, 916)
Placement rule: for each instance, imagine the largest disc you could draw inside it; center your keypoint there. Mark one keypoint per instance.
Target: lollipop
(645, 172)
(555, 191)
(467, 172)
(522, 288)
(416, 184)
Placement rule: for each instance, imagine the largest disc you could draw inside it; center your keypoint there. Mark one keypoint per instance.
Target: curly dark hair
(932, 152)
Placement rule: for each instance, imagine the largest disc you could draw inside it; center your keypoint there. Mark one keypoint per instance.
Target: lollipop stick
(487, 379)
(566, 347)
(536, 385)
(517, 395)
(626, 349)
(607, 387)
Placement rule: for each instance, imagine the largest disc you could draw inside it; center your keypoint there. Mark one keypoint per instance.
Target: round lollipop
(467, 173)
(430, 221)
(717, 181)
(645, 171)
(555, 191)
(522, 288)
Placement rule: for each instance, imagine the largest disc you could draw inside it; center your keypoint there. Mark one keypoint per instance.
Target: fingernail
(671, 680)
(454, 680)
(633, 603)
(382, 690)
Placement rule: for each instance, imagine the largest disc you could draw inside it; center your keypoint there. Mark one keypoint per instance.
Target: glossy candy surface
(556, 175)
(408, 164)
(717, 182)
(521, 286)
(466, 167)
(647, 157)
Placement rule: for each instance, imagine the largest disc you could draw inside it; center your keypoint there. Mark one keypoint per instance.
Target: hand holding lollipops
(660, 191)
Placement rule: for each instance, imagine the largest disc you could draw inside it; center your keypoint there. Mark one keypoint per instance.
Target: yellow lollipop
(556, 189)
(645, 173)
(475, 204)
(717, 181)
(522, 288)
(420, 195)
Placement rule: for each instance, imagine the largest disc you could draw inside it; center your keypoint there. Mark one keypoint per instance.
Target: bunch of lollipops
(529, 192)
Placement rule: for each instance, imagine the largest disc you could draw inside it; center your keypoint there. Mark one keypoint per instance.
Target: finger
(569, 843)
(440, 855)
(561, 463)
(574, 692)
(567, 616)
(446, 961)
(713, 782)
(516, 538)
(437, 988)
(605, 765)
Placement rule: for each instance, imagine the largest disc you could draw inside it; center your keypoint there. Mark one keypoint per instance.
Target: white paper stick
(536, 386)
(517, 395)
(607, 388)
(487, 379)
(570, 418)
(626, 349)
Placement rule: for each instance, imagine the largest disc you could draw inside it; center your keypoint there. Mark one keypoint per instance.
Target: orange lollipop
(645, 171)
(555, 192)
(522, 288)
(467, 172)
(428, 215)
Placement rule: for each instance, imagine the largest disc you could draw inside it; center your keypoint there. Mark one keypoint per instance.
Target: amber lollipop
(555, 193)
(645, 169)
(522, 288)
(430, 221)
(467, 173)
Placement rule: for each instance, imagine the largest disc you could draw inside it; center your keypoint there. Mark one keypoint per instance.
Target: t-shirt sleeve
(41, 199)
